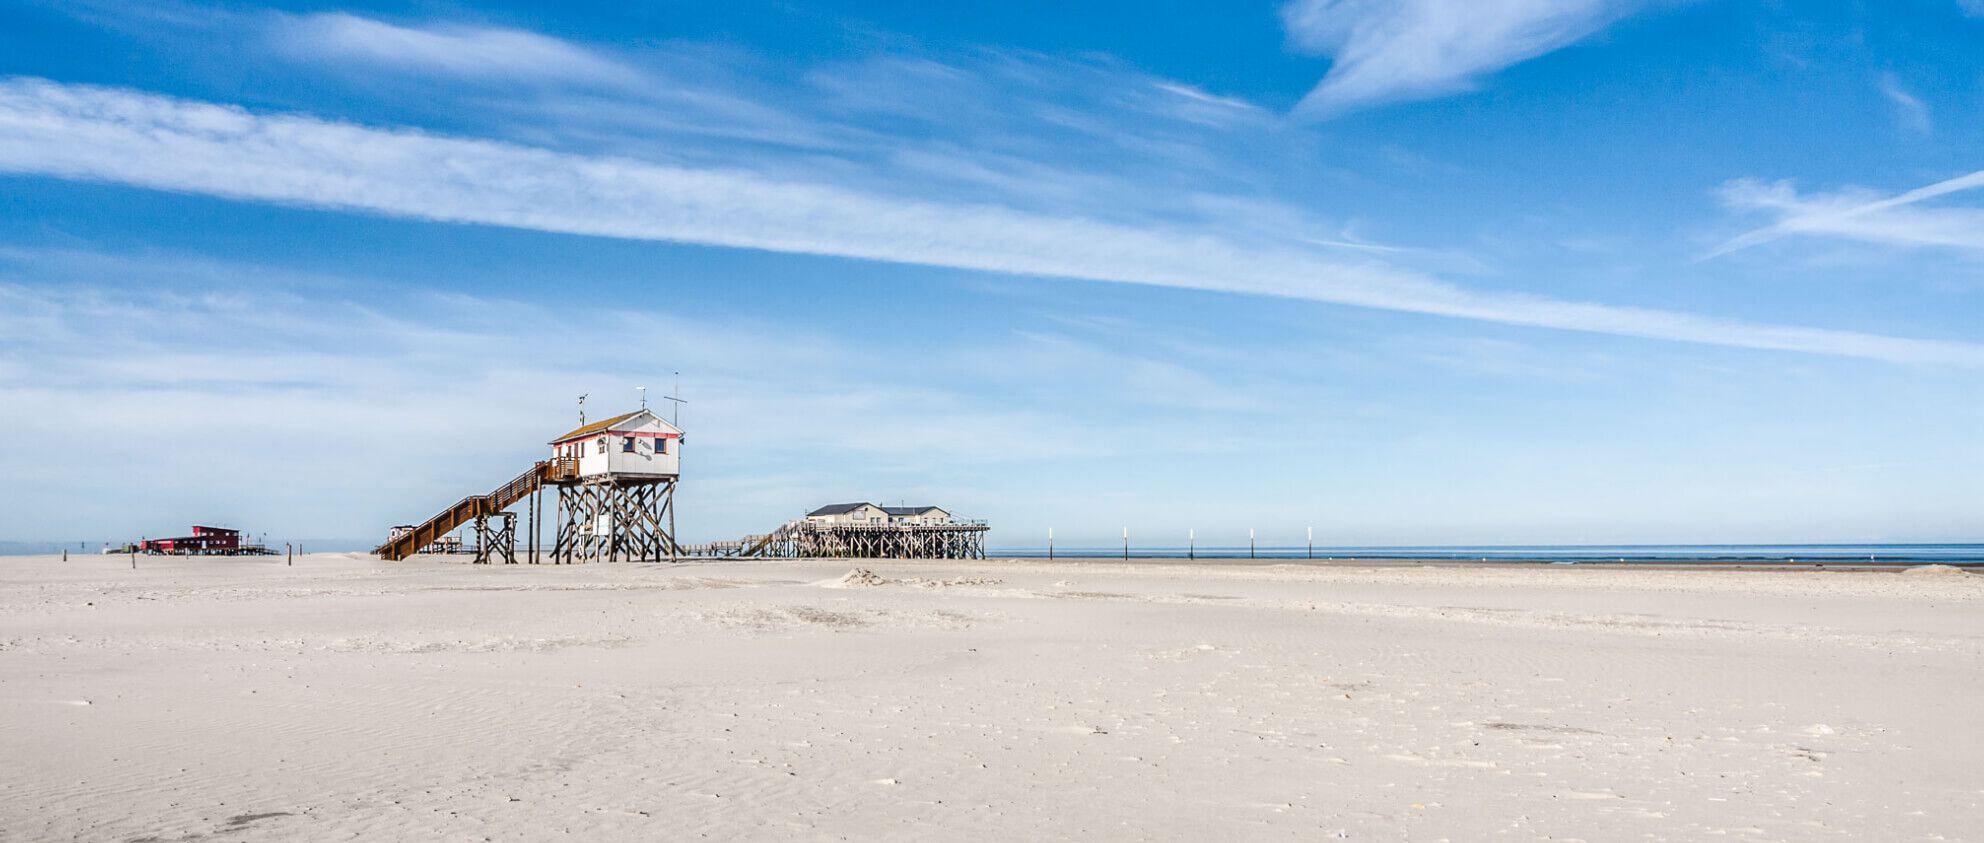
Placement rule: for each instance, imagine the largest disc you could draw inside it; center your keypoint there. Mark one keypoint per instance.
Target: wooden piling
(639, 519)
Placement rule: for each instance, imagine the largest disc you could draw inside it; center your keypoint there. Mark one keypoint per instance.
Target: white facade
(862, 514)
(868, 514)
(920, 516)
(638, 444)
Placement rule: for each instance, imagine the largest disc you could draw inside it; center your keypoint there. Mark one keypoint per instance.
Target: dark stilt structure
(616, 519)
(501, 541)
(803, 539)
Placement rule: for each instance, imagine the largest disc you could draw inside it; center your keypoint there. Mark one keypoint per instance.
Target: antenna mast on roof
(582, 410)
(677, 421)
(644, 396)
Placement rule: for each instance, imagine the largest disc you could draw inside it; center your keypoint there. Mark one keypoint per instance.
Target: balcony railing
(562, 468)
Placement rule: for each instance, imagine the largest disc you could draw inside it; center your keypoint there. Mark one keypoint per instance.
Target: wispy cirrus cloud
(458, 50)
(1910, 111)
(986, 124)
(125, 137)
(1085, 135)
(1386, 50)
(1859, 215)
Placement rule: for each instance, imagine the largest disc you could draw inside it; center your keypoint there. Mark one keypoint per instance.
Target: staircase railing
(408, 543)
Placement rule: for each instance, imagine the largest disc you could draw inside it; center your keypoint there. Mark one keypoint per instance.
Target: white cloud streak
(1910, 110)
(462, 51)
(1086, 135)
(1858, 215)
(123, 137)
(1386, 50)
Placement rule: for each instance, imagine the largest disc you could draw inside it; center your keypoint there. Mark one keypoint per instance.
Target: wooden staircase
(469, 508)
(758, 545)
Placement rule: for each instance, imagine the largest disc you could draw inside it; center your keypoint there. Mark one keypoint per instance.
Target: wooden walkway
(469, 508)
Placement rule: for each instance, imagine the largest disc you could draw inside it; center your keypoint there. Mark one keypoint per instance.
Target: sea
(1860, 554)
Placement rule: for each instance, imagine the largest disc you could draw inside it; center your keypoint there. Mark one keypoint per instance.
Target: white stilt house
(849, 513)
(616, 489)
(868, 514)
(917, 516)
(636, 444)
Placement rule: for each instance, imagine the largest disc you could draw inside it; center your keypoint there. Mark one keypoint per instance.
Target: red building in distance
(203, 541)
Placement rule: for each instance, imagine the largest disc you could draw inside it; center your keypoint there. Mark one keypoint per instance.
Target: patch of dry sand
(344, 697)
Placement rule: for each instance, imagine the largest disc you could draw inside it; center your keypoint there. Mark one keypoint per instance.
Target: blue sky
(1430, 272)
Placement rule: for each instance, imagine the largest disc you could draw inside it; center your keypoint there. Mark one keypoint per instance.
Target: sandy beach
(348, 698)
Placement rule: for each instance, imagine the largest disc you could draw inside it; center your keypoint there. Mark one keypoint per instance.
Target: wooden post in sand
(536, 518)
(1050, 544)
(289, 550)
(1126, 544)
(1250, 542)
(1191, 543)
(65, 554)
(1312, 542)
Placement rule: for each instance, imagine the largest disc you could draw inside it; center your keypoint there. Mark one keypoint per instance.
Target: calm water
(1896, 554)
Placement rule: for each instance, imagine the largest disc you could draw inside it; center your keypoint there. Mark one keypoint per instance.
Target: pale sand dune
(346, 698)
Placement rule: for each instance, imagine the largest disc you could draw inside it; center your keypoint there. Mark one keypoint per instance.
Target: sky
(1415, 272)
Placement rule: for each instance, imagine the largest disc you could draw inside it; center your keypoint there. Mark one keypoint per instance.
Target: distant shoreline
(1415, 562)
(1880, 555)
(1166, 560)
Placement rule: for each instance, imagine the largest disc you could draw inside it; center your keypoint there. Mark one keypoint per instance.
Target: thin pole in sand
(1250, 542)
(1191, 543)
(1050, 544)
(290, 551)
(1126, 544)
(65, 554)
(1312, 542)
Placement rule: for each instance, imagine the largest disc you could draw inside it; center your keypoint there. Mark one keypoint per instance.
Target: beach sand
(233, 699)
